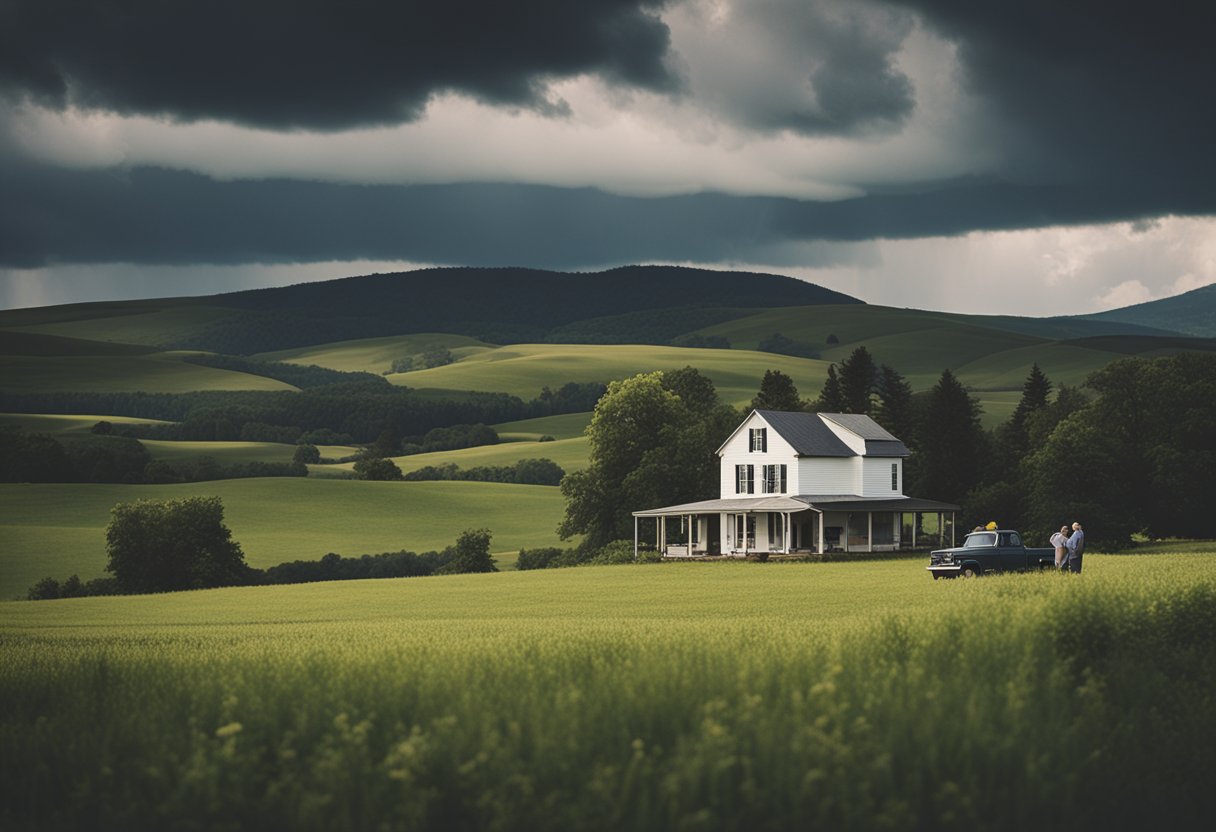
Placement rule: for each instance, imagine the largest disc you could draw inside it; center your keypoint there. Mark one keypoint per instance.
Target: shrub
(537, 558)
(377, 469)
(306, 454)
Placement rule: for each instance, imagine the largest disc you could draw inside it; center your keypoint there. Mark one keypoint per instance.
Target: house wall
(828, 475)
(876, 476)
(737, 451)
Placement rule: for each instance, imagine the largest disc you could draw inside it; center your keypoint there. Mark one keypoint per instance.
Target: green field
(133, 322)
(66, 424)
(564, 426)
(157, 373)
(233, 453)
(376, 355)
(570, 454)
(675, 696)
(56, 530)
(523, 369)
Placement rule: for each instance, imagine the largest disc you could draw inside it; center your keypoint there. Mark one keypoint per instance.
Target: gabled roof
(809, 434)
(878, 441)
(806, 433)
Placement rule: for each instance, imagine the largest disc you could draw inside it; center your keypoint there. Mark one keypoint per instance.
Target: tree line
(360, 411)
(173, 545)
(36, 457)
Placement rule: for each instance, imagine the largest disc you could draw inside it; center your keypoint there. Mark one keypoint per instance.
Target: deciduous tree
(164, 545)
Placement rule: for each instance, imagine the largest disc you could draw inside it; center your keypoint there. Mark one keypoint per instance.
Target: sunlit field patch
(846, 695)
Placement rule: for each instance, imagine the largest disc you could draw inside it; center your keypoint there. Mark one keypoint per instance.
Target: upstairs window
(745, 476)
(759, 440)
(774, 479)
(895, 476)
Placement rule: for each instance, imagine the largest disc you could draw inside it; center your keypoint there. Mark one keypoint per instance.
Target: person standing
(1076, 548)
(1060, 541)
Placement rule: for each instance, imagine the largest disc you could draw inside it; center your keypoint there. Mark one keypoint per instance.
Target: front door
(713, 535)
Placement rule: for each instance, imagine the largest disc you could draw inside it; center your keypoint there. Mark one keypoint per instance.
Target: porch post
(821, 543)
(848, 521)
(635, 537)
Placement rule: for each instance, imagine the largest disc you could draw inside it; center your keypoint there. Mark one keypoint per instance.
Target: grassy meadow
(376, 355)
(59, 529)
(157, 373)
(66, 424)
(673, 696)
(523, 369)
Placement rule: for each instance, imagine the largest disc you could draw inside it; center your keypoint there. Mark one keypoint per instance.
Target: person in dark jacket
(1076, 548)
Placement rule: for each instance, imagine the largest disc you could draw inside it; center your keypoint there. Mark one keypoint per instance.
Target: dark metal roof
(879, 442)
(852, 502)
(807, 433)
(860, 424)
(810, 436)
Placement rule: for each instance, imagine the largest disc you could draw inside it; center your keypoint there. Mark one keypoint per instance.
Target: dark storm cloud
(319, 64)
(1089, 89)
(148, 215)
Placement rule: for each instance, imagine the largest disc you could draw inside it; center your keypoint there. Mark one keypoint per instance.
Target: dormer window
(759, 440)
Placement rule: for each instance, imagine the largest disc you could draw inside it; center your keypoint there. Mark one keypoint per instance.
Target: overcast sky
(1035, 158)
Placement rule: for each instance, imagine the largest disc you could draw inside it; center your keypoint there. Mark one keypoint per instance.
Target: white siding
(855, 442)
(828, 475)
(876, 477)
(737, 451)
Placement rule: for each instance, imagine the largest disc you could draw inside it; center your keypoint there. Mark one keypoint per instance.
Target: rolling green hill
(376, 355)
(1191, 313)
(523, 369)
(58, 530)
(498, 305)
(161, 372)
(47, 423)
(565, 426)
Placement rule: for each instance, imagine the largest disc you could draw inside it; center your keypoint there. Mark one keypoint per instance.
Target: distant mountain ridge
(1191, 313)
(499, 305)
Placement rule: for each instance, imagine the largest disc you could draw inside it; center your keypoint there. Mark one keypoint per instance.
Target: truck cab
(987, 551)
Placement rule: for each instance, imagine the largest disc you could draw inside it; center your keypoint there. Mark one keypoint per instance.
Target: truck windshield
(975, 541)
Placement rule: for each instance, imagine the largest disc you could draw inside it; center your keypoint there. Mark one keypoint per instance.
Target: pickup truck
(999, 550)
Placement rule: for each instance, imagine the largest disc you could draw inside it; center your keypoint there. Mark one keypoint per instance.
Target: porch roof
(801, 502)
(738, 504)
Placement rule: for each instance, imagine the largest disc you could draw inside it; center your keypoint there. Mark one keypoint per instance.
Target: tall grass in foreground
(1026, 702)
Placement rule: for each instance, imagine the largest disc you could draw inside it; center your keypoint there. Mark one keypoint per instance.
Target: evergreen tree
(858, 380)
(895, 410)
(777, 392)
(830, 400)
(1014, 436)
(950, 442)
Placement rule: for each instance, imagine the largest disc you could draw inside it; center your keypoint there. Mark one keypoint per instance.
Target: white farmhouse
(805, 483)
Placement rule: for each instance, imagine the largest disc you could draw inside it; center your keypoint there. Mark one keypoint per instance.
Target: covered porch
(747, 527)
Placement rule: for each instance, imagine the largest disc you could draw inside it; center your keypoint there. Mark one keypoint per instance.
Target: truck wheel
(970, 571)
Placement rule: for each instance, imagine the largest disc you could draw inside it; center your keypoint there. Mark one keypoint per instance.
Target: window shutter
(764, 439)
(781, 489)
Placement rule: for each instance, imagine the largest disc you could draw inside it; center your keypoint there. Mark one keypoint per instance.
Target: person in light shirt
(1060, 541)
